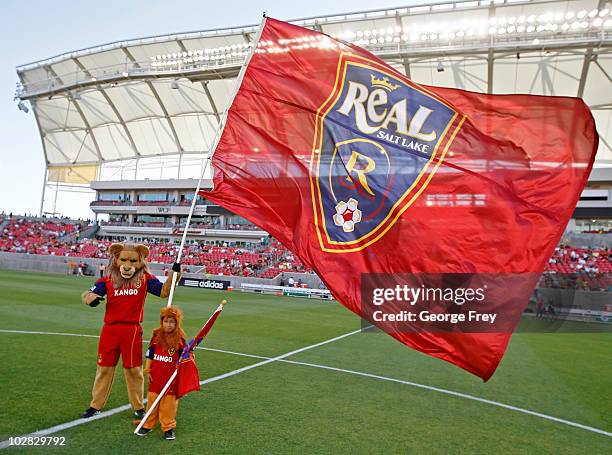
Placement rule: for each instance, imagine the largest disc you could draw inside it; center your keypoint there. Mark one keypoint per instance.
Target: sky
(35, 30)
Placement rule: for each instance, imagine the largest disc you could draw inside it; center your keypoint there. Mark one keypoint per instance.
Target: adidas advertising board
(219, 285)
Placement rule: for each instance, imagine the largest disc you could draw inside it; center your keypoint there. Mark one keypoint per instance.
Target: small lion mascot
(126, 284)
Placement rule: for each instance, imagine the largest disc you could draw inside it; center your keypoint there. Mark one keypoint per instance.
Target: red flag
(188, 378)
(206, 328)
(408, 201)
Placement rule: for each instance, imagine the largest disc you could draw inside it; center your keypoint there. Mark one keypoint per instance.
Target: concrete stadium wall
(565, 298)
(41, 263)
(569, 298)
(59, 264)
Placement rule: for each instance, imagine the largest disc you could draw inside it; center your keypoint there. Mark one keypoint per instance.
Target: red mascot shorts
(124, 339)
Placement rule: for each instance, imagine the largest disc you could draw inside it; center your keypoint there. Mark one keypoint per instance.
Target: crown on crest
(383, 83)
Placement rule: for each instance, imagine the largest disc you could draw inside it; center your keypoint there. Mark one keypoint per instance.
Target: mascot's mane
(172, 340)
(112, 268)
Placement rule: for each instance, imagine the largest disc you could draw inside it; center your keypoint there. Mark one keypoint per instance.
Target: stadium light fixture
(545, 23)
(23, 107)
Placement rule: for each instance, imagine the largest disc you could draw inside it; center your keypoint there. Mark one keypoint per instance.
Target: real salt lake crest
(376, 143)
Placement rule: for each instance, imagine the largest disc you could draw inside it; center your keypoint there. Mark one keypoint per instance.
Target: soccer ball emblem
(347, 215)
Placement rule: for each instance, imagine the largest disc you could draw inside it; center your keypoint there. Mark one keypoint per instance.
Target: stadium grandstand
(134, 122)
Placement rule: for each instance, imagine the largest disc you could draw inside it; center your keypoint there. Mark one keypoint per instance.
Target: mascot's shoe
(90, 412)
(143, 432)
(169, 435)
(140, 413)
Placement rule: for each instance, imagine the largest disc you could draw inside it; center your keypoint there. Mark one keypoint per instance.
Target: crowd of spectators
(21, 235)
(569, 267)
(579, 268)
(262, 260)
(56, 238)
(567, 259)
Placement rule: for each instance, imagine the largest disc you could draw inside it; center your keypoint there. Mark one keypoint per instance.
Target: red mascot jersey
(125, 305)
(162, 366)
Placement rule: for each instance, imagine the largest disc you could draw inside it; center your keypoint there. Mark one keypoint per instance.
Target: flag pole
(190, 347)
(159, 397)
(212, 150)
(183, 239)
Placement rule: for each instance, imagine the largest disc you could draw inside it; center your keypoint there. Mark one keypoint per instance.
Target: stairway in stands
(90, 231)
(4, 221)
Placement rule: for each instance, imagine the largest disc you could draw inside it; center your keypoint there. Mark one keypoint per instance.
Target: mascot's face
(128, 262)
(129, 259)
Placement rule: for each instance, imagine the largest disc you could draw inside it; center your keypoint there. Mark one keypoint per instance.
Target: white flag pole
(159, 397)
(191, 210)
(193, 203)
(215, 143)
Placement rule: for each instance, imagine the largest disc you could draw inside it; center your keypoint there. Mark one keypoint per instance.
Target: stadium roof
(164, 95)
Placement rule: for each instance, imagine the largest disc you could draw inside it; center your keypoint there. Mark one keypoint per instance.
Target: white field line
(74, 423)
(28, 332)
(281, 358)
(457, 394)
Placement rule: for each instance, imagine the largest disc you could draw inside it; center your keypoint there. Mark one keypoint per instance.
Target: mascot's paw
(91, 299)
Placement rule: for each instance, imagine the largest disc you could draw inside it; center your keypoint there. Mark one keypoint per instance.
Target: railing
(124, 71)
(100, 203)
(393, 42)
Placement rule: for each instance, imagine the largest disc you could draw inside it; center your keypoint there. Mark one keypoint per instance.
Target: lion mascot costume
(125, 284)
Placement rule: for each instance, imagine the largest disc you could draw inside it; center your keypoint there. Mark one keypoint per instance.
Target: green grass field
(284, 407)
